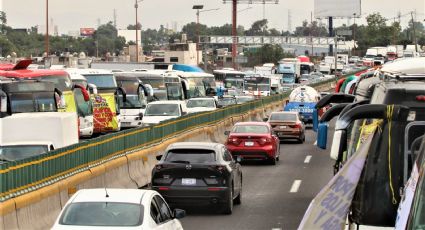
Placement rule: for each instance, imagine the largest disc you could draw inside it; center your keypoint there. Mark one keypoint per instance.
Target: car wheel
(228, 207)
(238, 199)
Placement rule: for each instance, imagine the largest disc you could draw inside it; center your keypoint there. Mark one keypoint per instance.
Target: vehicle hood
(199, 109)
(76, 227)
(156, 119)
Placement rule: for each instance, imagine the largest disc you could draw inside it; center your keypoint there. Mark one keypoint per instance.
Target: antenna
(106, 193)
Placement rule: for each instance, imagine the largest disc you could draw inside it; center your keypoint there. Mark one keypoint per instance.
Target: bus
(231, 79)
(257, 85)
(133, 108)
(106, 103)
(165, 84)
(198, 84)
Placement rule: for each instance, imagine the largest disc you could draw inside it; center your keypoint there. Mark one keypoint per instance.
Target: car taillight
(265, 140)
(211, 181)
(296, 126)
(160, 166)
(219, 168)
(420, 98)
(234, 141)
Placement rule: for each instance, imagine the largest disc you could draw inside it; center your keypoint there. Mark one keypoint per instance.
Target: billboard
(337, 8)
(86, 32)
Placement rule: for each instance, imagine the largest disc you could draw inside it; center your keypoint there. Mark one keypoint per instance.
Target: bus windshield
(233, 82)
(135, 95)
(199, 86)
(257, 84)
(81, 82)
(62, 82)
(101, 80)
(156, 83)
(33, 102)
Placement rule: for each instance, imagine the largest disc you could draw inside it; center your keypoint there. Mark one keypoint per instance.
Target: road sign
(344, 32)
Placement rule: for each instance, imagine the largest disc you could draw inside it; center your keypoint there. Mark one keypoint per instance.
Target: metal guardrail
(23, 176)
(260, 40)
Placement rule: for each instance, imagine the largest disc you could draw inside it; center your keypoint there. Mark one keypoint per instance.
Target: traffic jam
(362, 116)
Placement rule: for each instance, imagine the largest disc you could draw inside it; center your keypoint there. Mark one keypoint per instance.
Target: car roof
(134, 196)
(201, 98)
(195, 145)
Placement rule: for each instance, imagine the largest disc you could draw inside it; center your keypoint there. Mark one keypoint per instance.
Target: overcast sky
(73, 14)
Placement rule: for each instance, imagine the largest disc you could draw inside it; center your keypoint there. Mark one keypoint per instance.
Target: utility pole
(197, 37)
(234, 31)
(46, 38)
(414, 31)
(136, 6)
(311, 32)
(336, 54)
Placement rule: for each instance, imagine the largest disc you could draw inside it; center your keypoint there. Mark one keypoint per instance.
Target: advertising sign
(337, 8)
(87, 32)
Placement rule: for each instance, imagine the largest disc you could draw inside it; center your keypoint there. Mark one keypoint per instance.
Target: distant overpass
(278, 40)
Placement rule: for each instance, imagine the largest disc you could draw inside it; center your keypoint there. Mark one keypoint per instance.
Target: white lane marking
(295, 186)
(307, 159)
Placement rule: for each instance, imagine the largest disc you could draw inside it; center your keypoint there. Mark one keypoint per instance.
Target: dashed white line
(295, 186)
(307, 159)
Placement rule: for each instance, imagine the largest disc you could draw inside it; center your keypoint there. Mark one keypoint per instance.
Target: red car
(253, 141)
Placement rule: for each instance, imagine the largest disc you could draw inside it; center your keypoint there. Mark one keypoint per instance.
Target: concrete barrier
(39, 209)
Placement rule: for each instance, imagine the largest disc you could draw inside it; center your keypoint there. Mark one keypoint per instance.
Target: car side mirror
(158, 157)
(219, 106)
(227, 133)
(179, 213)
(265, 119)
(184, 113)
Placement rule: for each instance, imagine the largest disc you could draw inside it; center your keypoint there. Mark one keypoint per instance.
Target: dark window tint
(163, 209)
(283, 117)
(102, 214)
(19, 152)
(190, 155)
(102, 81)
(155, 214)
(227, 156)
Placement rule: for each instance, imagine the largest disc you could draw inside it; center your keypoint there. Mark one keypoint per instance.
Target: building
(183, 52)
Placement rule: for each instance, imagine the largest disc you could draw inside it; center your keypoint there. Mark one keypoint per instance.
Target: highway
(274, 197)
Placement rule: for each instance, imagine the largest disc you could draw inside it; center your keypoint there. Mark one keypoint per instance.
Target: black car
(226, 101)
(198, 174)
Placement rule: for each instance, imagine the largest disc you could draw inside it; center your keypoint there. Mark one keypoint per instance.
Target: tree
(266, 54)
(258, 28)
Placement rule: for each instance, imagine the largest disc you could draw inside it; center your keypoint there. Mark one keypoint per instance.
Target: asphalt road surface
(274, 197)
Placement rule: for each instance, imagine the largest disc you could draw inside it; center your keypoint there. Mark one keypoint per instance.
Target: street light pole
(197, 37)
(136, 6)
(46, 38)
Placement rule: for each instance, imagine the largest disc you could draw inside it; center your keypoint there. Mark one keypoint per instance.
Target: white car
(103, 208)
(201, 104)
(159, 111)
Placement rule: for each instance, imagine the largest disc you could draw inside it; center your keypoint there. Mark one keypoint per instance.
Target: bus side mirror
(123, 93)
(84, 91)
(92, 88)
(149, 90)
(286, 102)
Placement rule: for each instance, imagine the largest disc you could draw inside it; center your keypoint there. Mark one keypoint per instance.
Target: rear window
(102, 214)
(261, 129)
(190, 156)
(283, 117)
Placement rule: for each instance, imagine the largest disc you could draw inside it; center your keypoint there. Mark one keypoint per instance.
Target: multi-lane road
(274, 197)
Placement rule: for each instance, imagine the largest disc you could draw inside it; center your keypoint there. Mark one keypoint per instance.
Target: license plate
(283, 127)
(188, 181)
(249, 143)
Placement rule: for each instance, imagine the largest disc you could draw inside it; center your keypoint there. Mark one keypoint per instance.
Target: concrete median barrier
(39, 209)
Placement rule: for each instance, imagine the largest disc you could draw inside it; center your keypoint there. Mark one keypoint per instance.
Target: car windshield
(19, 152)
(201, 103)
(256, 87)
(283, 117)
(226, 101)
(102, 214)
(62, 82)
(101, 80)
(162, 110)
(190, 155)
(260, 129)
(33, 102)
